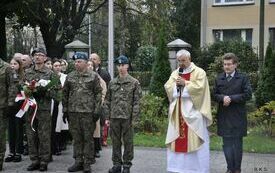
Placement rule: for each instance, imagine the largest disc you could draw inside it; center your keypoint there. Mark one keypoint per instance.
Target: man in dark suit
(97, 67)
(232, 90)
(95, 58)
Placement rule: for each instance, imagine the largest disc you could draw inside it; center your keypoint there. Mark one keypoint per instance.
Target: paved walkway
(149, 160)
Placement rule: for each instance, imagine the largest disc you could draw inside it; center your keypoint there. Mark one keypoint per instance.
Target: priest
(189, 115)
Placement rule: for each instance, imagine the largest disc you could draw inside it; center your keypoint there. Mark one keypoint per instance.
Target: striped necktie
(228, 78)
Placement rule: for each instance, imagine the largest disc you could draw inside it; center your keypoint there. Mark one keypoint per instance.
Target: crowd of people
(79, 104)
(91, 105)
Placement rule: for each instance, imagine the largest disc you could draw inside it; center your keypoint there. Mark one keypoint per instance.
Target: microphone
(180, 73)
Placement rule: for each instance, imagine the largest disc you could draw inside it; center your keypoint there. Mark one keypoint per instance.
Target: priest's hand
(226, 101)
(180, 81)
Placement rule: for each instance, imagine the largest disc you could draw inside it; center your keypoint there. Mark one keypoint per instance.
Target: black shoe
(43, 167)
(97, 154)
(10, 158)
(17, 158)
(33, 166)
(58, 153)
(76, 167)
(126, 170)
(63, 147)
(87, 168)
(93, 161)
(26, 152)
(50, 159)
(115, 169)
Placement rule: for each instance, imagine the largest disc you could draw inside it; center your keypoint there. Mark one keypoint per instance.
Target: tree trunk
(123, 29)
(35, 36)
(3, 39)
(54, 48)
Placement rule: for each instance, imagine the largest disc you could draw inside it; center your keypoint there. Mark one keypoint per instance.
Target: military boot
(76, 167)
(115, 169)
(35, 165)
(228, 171)
(43, 167)
(126, 169)
(87, 168)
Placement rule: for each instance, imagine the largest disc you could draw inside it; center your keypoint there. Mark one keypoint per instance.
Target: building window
(233, 34)
(272, 37)
(271, 1)
(233, 2)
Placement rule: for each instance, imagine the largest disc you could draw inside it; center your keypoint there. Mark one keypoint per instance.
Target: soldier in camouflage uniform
(81, 103)
(122, 101)
(39, 141)
(3, 105)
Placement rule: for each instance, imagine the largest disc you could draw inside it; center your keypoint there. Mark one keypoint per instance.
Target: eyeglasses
(39, 54)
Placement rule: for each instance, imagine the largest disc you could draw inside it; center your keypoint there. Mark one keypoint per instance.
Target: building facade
(222, 20)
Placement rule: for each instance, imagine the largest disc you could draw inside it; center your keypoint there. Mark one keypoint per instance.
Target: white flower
(43, 82)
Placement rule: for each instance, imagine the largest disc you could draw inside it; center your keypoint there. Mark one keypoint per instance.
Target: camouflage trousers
(39, 141)
(3, 127)
(82, 128)
(121, 130)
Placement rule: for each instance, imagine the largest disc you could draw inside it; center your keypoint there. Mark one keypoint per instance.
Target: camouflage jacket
(13, 81)
(82, 93)
(123, 97)
(3, 84)
(43, 98)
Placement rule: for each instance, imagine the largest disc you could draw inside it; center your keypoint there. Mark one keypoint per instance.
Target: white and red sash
(28, 103)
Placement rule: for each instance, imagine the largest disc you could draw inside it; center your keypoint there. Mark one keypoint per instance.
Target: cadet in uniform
(82, 104)
(3, 105)
(39, 141)
(122, 103)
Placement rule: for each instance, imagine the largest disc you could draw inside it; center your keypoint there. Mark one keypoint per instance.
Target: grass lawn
(252, 143)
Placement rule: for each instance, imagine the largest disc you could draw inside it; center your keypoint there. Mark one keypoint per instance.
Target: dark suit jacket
(104, 75)
(232, 120)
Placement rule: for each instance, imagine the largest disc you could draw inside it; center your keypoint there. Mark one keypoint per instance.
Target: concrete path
(149, 160)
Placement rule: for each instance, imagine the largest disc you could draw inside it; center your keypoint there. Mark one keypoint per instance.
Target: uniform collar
(123, 79)
(86, 73)
(43, 69)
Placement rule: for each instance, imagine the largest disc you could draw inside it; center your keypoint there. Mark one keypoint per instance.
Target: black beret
(39, 50)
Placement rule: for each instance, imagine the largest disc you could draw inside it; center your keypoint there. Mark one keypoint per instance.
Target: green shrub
(210, 59)
(143, 77)
(145, 57)
(266, 83)
(70, 67)
(264, 116)
(247, 57)
(153, 117)
(161, 68)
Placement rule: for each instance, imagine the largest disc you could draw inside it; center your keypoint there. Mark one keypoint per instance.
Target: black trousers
(15, 131)
(233, 152)
(55, 136)
(97, 144)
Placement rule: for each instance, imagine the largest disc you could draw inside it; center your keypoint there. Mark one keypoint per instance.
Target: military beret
(80, 55)
(39, 50)
(122, 60)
